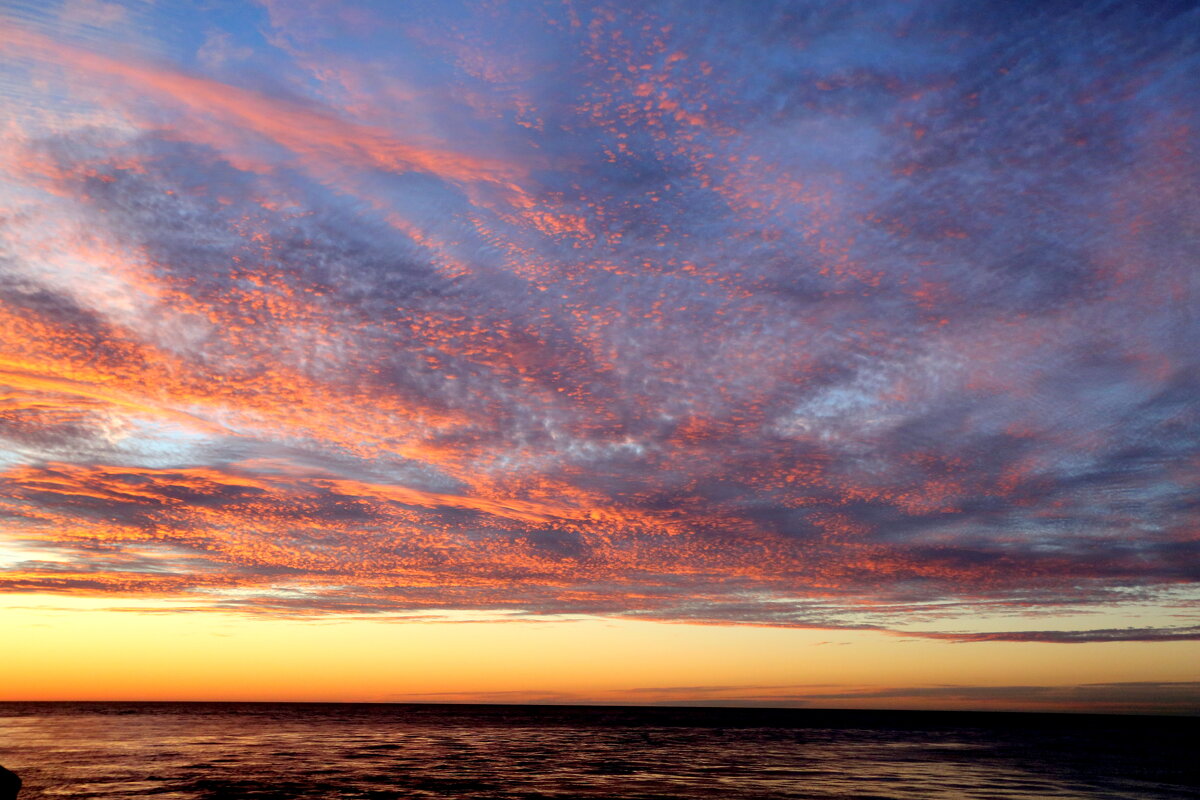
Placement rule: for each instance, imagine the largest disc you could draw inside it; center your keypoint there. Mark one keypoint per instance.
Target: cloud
(795, 322)
(1133, 697)
(1148, 697)
(1185, 633)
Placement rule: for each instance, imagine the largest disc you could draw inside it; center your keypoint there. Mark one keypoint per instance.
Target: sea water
(187, 751)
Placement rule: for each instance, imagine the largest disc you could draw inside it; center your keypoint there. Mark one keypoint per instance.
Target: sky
(825, 354)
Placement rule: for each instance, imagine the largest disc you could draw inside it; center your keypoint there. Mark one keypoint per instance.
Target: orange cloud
(320, 139)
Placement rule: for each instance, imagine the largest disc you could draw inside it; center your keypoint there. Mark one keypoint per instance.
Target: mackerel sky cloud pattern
(813, 314)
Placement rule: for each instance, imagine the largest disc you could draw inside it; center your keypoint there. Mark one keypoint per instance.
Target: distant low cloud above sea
(1153, 697)
(867, 316)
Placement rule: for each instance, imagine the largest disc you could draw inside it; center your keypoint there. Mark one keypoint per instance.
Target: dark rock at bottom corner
(10, 784)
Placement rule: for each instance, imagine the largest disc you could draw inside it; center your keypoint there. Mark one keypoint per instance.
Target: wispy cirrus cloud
(596, 312)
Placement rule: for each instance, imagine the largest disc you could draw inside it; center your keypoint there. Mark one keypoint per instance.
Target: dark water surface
(186, 751)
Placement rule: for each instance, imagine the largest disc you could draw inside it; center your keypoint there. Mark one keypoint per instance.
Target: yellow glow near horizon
(95, 654)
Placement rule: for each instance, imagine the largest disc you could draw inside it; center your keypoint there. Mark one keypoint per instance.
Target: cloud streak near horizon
(854, 315)
(1181, 697)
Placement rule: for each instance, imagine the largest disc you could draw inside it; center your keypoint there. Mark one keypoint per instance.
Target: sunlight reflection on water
(190, 752)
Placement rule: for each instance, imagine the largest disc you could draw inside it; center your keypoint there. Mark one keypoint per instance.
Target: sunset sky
(801, 353)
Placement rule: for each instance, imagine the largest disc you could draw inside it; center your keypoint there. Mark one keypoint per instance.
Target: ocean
(188, 751)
